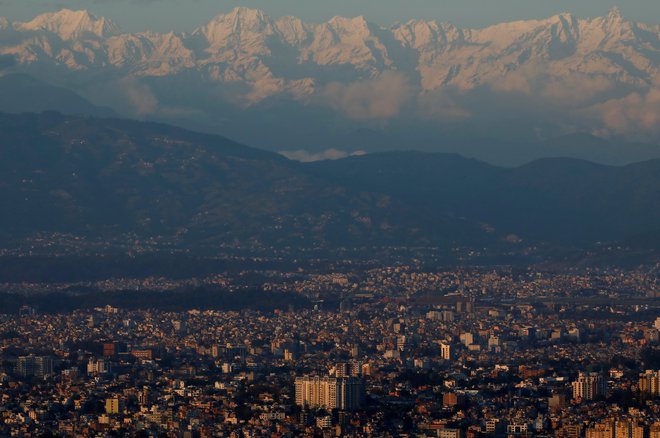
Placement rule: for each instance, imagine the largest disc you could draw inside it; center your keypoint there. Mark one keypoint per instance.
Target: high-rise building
(445, 351)
(654, 430)
(38, 366)
(600, 430)
(401, 342)
(344, 393)
(649, 384)
(589, 386)
(628, 429)
(347, 369)
(144, 396)
(342, 369)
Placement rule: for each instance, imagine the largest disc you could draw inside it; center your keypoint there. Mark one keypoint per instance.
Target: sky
(186, 15)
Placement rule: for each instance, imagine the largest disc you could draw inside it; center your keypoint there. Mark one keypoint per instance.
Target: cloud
(380, 98)
(442, 105)
(328, 154)
(636, 115)
(140, 96)
(576, 89)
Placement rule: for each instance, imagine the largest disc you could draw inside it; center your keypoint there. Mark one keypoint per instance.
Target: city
(379, 352)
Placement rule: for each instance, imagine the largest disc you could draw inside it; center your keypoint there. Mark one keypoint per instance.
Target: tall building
(144, 396)
(654, 430)
(344, 393)
(347, 369)
(649, 384)
(401, 342)
(589, 386)
(628, 429)
(600, 430)
(38, 366)
(445, 351)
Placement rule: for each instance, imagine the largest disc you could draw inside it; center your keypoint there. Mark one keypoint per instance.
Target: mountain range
(103, 178)
(314, 86)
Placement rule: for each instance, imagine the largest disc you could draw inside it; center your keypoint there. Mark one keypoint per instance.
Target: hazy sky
(185, 15)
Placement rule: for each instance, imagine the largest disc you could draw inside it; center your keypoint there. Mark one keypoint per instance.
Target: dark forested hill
(557, 200)
(104, 177)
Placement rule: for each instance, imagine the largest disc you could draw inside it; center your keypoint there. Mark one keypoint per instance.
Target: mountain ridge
(358, 43)
(106, 178)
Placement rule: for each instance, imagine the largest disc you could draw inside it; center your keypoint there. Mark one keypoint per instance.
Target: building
(453, 399)
(143, 354)
(445, 351)
(109, 349)
(494, 425)
(600, 430)
(589, 386)
(450, 433)
(344, 393)
(467, 339)
(518, 428)
(348, 369)
(649, 384)
(570, 431)
(628, 429)
(113, 406)
(98, 366)
(654, 430)
(38, 366)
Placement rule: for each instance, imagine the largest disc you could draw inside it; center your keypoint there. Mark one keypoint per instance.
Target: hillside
(104, 177)
(110, 177)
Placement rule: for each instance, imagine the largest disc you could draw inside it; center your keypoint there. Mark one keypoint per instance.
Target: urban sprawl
(400, 351)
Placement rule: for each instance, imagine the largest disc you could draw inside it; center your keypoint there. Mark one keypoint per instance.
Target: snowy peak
(614, 14)
(428, 36)
(355, 25)
(616, 25)
(293, 30)
(70, 25)
(248, 15)
(239, 24)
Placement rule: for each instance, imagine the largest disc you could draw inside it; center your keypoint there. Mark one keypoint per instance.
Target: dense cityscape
(397, 351)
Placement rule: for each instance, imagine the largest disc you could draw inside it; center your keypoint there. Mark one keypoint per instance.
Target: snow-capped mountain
(591, 66)
(71, 25)
(246, 45)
